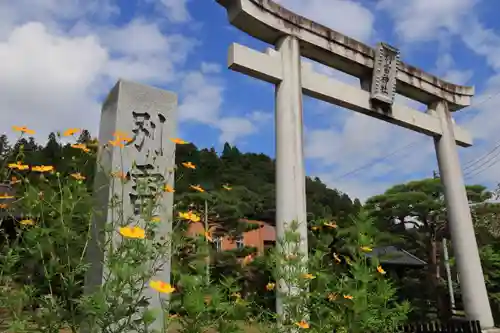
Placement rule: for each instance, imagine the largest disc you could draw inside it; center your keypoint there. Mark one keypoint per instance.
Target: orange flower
(197, 188)
(161, 287)
(270, 286)
(208, 236)
(179, 141)
(331, 225)
(348, 297)
(133, 232)
(119, 174)
(302, 324)
(168, 189)
(121, 138)
(380, 270)
(42, 168)
(27, 222)
(71, 131)
(308, 276)
(23, 129)
(332, 297)
(227, 187)
(4, 206)
(80, 146)
(18, 166)
(77, 176)
(189, 165)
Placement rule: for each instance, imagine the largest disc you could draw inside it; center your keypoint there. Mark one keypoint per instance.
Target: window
(218, 243)
(240, 243)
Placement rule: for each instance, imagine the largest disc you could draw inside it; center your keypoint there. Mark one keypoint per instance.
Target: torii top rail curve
(268, 21)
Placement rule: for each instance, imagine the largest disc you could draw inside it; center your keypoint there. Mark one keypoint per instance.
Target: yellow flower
(315, 228)
(331, 225)
(270, 286)
(302, 324)
(248, 259)
(169, 189)
(189, 165)
(179, 141)
(77, 176)
(27, 222)
(197, 188)
(23, 129)
(348, 297)
(161, 287)
(189, 216)
(6, 196)
(227, 187)
(42, 168)
(133, 232)
(308, 276)
(336, 257)
(332, 297)
(18, 166)
(366, 249)
(155, 219)
(380, 270)
(80, 146)
(71, 131)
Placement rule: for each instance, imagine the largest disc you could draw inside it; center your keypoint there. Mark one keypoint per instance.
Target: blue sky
(59, 58)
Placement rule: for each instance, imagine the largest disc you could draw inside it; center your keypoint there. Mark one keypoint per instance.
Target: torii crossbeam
(381, 76)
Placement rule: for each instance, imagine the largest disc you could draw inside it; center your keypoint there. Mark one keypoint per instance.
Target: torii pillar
(381, 76)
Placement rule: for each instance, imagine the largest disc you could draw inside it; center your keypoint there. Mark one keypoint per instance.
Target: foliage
(44, 262)
(336, 288)
(420, 205)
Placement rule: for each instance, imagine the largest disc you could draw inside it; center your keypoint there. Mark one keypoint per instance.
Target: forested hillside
(250, 175)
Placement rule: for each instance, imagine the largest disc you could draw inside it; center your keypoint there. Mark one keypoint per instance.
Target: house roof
(391, 255)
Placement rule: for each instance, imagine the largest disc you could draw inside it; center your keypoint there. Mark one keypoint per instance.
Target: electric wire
(467, 164)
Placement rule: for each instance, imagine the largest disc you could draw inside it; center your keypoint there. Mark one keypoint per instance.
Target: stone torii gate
(381, 76)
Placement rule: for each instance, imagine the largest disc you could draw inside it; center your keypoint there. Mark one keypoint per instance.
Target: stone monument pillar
(147, 116)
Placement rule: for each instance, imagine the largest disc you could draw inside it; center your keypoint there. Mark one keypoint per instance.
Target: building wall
(255, 238)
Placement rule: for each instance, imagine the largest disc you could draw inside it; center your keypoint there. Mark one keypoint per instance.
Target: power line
(375, 161)
(385, 157)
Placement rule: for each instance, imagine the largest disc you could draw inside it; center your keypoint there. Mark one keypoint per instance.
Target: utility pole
(448, 276)
(206, 240)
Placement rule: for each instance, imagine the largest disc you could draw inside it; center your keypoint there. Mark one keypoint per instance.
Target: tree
(417, 212)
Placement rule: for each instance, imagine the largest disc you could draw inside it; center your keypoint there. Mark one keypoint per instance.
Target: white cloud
(347, 17)
(176, 10)
(423, 20)
(58, 59)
